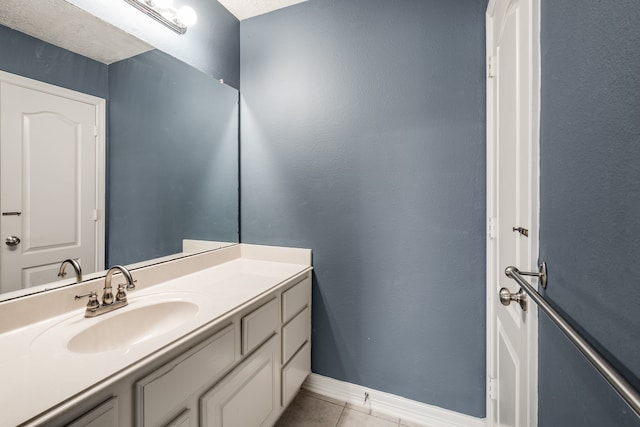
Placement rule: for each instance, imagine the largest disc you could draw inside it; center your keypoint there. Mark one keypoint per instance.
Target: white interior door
(512, 147)
(49, 182)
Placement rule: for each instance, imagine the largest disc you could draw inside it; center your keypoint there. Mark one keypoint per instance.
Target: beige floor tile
(308, 411)
(323, 397)
(353, 418)
(368, 411)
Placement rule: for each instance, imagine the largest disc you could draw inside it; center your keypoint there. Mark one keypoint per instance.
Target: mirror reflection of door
(51, 190)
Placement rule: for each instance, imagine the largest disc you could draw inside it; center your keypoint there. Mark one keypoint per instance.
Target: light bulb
(187, 16)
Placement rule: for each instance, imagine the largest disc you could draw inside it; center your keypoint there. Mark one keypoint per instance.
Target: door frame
(100, 135)
(491, 242)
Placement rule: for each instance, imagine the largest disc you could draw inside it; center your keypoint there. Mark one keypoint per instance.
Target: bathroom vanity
(220, 338)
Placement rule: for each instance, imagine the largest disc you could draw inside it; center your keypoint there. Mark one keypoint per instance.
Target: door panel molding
(95, 135)
(527, 125)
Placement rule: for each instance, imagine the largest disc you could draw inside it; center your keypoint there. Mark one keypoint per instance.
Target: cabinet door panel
(248, 396)
(104, 415)
(163, 393)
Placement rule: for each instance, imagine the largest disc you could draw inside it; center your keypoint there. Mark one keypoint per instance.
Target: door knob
(12, 241)
(520, 297)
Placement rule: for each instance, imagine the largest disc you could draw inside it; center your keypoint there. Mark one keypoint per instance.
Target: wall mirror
(171, 137)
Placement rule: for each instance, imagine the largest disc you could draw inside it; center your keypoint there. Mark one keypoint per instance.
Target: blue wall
(363, 126)
(590, 204)
(212, 45)
(173, 158)
(33, 58)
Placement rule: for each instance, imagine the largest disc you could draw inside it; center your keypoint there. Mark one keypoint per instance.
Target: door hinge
(491, 227)
(96, 215)
(492, 387)
(95, 131)
(491, 67)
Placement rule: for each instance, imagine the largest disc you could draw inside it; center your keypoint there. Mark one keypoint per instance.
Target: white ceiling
(243, 9)
(65, 25)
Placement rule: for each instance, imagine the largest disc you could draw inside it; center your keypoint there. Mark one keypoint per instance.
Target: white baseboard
(390, 404)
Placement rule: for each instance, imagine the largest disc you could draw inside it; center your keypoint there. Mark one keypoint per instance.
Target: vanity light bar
(167, 16)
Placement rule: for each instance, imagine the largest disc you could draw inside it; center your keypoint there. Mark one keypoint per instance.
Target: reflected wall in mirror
(171, 137)
(173, 158)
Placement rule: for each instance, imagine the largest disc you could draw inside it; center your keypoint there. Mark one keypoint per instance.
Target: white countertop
(37, 371)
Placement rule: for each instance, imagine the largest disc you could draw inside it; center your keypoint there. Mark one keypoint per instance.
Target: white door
(49, 185)
(512, 193)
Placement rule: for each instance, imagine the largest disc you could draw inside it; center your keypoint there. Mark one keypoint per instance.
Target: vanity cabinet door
(169, 390)
(104, 415)
(247, 397)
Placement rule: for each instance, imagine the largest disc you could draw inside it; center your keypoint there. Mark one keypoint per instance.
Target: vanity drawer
(164, 391)
(295, 372)
(259, 325)
(295, 299)
(295, 334)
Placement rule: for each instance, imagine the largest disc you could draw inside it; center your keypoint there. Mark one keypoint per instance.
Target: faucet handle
(93, 300)
(121, 295)
(129, 287)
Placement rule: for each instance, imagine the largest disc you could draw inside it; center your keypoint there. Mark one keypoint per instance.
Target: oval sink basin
(124, 328)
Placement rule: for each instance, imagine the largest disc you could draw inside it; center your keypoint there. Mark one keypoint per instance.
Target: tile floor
(314, 410)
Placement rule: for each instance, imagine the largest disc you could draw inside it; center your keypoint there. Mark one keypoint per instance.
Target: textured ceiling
(244, 9)
(65, 25)
(70, 27)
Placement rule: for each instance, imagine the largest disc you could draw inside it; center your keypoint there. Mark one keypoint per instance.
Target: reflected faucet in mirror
(109, 303)
(76, 267)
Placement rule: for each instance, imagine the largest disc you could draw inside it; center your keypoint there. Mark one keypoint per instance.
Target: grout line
(324, 398)
(340, 417)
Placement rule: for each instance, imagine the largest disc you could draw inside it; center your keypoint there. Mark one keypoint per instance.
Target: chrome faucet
(107, 295)
(109, 303)
(76, 267)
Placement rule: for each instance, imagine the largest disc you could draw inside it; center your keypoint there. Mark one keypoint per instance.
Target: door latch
(522, 231)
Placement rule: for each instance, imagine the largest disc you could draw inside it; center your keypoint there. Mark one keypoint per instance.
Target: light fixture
(164, 12)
